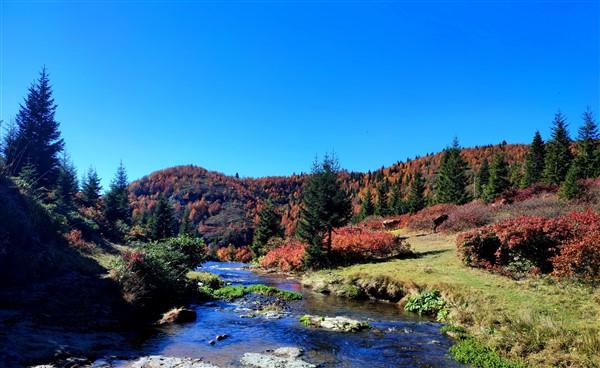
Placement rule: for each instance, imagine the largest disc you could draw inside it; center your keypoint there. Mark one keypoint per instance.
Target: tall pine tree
(483, 176)
(66, 185)
(451, 177)
(558, 152)
(535, 161)
(366, 205)
(162, 222)
(36, 142)
(90, 188)
(381, 205)
(498, 181)
(587, 147)
(325, 205)
(416, 195)
(268, 226)
(116, 200)
(396, 206)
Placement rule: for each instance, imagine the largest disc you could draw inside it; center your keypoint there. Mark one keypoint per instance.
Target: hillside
(223, 208)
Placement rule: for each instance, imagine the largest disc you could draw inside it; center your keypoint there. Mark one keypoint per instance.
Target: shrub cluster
(155, 272)
(234, 254)
(567, 246)
(286, 257)
(428, 303)
(351, 244)
(468, 216)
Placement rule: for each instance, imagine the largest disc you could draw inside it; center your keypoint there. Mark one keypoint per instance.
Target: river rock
(178, 315)
(286, 357)
(158, 361)
(339, 323)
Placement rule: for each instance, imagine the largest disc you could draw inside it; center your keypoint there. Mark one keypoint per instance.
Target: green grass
(272, 291)
(536, 320)
(238, 291)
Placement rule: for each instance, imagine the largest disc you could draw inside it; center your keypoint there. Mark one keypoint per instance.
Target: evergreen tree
(570, 188)
(483, 176)
(381, 205)
(27, 181)
(587, 146)
(66, 185)
(90, 188)
(162, 223)
(416, 195)
(451, 177)
(8, 147)
(36, 141)
(395, 204)
(186, 226)
(515, 175)
(325, 205)
(558, 152)
(535, 161)
(268, 226)
(116, 201)
(366, 205)
(498, 181)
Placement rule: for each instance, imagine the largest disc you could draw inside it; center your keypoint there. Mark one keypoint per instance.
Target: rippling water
(395, 339)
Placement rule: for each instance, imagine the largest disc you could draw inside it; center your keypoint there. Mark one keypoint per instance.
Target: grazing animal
(438, 221)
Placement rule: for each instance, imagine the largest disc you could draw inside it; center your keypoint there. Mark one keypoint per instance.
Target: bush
(468, 216)
(287, 257)
(428, 303)
(243, 254)
(156, 272)
(351, 244)
(568, 246)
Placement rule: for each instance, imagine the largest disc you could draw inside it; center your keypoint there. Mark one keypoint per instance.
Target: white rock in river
(286, 357)
(158, 361)
(338, 323)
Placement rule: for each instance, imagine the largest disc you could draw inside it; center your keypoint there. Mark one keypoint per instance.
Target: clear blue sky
(260, 87)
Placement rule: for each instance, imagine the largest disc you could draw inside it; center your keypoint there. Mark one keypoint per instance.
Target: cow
(438, 221)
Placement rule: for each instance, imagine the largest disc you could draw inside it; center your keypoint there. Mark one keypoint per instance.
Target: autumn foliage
(566, 246)
(287, 257)
(351, 244)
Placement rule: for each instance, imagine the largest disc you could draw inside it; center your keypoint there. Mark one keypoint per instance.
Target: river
(395, 339)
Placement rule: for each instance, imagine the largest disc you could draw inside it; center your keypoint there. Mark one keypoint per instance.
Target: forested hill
(223, 208)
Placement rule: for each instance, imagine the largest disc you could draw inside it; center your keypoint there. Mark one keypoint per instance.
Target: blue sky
(260, 87)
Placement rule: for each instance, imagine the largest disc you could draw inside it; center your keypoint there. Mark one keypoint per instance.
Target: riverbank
(534, 321)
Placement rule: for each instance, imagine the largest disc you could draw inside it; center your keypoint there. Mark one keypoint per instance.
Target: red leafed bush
(352, 243)
(75, 239)
(226, 254)
(133, 259)
(579, 258)
(372, 222)
(287, 257)
(468, 216)
(423, 220)
(243, 254)
(536, 190)
(568, 246)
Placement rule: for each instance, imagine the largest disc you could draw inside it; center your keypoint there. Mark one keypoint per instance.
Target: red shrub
(226, 254)
(519, 195)
(569, 245)
(353, 243)
(579, 258)
(243, 254)
(75, 239)
(468, 216)
(287, 257)
(133, 259)
(423, 220)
